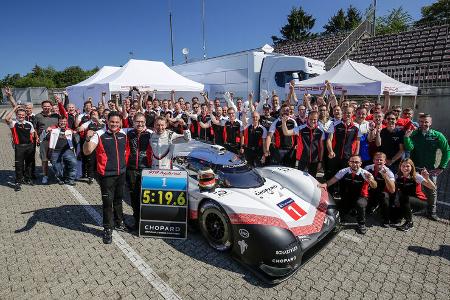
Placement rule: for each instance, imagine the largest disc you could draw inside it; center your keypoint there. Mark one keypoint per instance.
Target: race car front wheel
(215, 226)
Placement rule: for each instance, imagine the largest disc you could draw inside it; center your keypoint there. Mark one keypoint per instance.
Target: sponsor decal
(326, 221)
(284, 169)
(266, 190)
(243, 245)
(287, 251)
(235, 165)
(284, 260)
(221, 193)
(162, 228)
(163, 172)
(292, 209)
(244, 233)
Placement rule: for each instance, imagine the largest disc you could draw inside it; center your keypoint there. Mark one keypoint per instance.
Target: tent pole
(415, 102)
(401, 100)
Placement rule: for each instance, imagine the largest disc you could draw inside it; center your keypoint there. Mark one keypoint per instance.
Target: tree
(438, 11)
(336, 23)
(343, 22)
(353, 18)
(396, 21)
(298, 27)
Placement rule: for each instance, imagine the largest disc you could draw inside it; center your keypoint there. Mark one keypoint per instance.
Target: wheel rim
(215, 227)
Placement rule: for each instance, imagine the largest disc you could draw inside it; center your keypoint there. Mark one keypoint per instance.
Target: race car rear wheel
(215, 226)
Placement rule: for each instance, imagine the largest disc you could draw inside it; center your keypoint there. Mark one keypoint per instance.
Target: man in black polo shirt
(22, 134)
(111, 167)
(355, 183)
(283, 145)
(390, 142)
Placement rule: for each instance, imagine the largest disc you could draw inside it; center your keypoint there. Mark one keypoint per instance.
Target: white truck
(252, 70)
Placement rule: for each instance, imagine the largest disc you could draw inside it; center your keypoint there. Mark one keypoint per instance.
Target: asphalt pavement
(51, 248)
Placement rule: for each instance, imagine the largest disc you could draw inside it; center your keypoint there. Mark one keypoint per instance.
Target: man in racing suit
(161, 140)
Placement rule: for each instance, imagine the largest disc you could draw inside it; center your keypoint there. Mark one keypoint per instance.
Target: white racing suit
(162, 149)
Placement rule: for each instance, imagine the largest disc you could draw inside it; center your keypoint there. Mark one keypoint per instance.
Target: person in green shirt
(423, 144)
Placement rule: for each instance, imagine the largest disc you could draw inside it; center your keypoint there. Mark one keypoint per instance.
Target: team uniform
(253, 143)
(232, 135)
(283, 145)
(354, 190)
(139, 157)
(22, 137)
(61, 145)
(309, 147)
(409, 188)
(90, 160)
(111, 167)
(379, 195)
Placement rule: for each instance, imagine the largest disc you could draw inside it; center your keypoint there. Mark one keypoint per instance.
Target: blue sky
(99, 32)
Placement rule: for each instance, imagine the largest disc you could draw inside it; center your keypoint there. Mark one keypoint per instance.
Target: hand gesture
(425, 174)
(264, 95)
(58, 99)
(274, 93)
(250, 95)
(8, 91)
(383, 171)
(90, 133)
(321, 101)
(284, 118)
(172, 92)
(202, 94)
(65, 93)
(385, 92)
(331, 155)
(103, 93)
(368, 177)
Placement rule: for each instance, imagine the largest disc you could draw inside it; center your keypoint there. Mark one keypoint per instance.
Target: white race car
(272, 219)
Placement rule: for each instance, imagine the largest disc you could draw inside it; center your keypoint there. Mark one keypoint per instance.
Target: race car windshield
(239, 176)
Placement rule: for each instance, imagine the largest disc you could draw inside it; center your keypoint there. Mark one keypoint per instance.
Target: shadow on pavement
(7, 178)
(197, 248)
(444, 251)
(73, 217)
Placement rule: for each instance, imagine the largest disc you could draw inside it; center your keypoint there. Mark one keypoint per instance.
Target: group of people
(371, 155)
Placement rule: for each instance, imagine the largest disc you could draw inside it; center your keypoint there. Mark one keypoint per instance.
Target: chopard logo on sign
(269, 190)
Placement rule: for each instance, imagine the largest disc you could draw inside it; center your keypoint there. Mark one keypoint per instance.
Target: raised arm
(10, 96)
(9, 115)
(286, 131)
(387, 102)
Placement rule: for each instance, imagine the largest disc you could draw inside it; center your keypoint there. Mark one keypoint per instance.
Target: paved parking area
(51, 248)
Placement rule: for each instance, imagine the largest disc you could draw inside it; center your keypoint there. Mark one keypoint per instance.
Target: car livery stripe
(193, 214)
(316, 225)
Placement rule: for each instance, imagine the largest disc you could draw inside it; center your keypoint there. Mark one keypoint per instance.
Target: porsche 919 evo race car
(272, 219)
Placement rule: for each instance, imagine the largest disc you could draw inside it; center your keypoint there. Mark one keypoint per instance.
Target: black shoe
(29, 182)
(120, 227)
(90, 180)
(361, 229)
(60, 181)
(385, 224)
(406, 226)
(107, 236)
(433, 217)
(70, 182)
(17, 187)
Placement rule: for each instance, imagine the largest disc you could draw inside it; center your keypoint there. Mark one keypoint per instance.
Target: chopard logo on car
(284, 260)
(287, 251)
(266, 190)
(244, 233)
(162, 228)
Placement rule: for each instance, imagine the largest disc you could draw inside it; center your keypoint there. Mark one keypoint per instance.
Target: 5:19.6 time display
(175, 198)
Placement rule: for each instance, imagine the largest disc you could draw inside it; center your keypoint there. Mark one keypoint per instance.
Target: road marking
(146, 271)
(443, 203)
(349, 237)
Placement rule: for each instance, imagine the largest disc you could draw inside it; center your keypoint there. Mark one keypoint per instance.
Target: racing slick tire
(215, 226)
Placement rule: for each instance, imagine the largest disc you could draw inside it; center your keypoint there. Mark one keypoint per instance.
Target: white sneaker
(45, 180)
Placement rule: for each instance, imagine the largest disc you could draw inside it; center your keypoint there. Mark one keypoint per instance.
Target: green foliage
(336, 22)
(342, 21)
(395, 21)
(298, 27)
(353, 18)
(439, 11)
(48, 77)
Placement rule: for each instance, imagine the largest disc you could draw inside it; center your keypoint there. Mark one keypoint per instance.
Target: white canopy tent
(77, 92)
(146, 76)
(358, 79)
